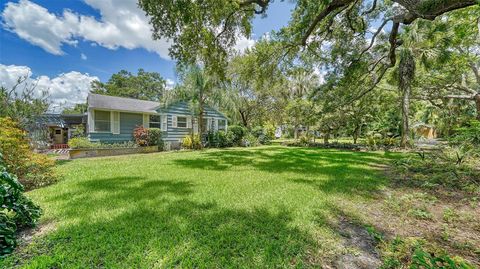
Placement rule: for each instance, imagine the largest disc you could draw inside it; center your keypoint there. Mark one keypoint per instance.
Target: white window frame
(159, 122)
(95, 120)
(218, 125)
(186, 122)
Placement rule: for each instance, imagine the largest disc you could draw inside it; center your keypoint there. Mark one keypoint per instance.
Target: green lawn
(260, 207)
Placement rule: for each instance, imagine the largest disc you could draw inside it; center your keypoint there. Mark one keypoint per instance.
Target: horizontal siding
(128, 122)
(175, 134)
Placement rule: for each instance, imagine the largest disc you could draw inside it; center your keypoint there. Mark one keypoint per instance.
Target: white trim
(146, 120)
(90, 120)
(163, 123)
(174, 121)
(93, 121)
(182, 116)
(115, 124)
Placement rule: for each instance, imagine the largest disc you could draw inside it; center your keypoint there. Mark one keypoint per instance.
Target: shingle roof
(122, 104)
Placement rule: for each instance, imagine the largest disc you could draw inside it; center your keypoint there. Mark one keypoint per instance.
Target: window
(222, 124)
(182, 122)
(102, 121)
(154, 121)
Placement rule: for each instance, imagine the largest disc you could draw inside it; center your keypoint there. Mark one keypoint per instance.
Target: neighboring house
(54, 130)
(113, 119)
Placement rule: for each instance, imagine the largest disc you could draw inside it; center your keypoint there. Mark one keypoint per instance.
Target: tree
(206, 31)
(199, 89)
(144, 85)
(22, 103)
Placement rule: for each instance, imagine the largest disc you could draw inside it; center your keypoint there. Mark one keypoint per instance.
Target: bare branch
(374, 5)
(466, 97)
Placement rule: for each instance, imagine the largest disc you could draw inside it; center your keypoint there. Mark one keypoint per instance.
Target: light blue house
(112, 119)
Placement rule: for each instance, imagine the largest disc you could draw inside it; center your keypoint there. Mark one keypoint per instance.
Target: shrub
(238, 133)
(140, 135)
(224, 139)
(154, 137)
(79, 131)
(18, 210)
(187, 142)
(262, 135)
(147, 136)
(196, 141)
(32, 169)
(250, 141)
(81, 143)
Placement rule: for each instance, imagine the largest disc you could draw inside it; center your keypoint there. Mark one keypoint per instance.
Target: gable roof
(99, 101)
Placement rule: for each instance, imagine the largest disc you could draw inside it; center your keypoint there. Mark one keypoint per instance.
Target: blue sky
(98, 60)
(63, 45)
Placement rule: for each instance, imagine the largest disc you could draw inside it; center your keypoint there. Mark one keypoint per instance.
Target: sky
(63, 45)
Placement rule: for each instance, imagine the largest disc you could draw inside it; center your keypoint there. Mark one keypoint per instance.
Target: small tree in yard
(32, 169)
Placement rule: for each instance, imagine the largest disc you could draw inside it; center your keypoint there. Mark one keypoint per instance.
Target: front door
(58, 136)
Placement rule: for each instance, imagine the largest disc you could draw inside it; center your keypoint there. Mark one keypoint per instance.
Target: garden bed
(103, 152)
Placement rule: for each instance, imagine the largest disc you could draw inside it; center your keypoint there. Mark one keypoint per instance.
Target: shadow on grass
(133, 221)
(327, 170)
(154, 224)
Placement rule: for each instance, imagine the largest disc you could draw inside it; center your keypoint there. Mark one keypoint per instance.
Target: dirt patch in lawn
(442, 221)
(363, 252)
(26, 236)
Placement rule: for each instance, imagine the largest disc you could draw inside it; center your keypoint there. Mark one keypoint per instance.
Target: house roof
(122, 104)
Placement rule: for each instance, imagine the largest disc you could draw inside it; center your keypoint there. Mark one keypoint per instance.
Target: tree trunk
(295, 132)
(406, 75)
(326, 136)
(405, 112)
(356, 134)
(244, 118)
(200, 120)
(477, 103)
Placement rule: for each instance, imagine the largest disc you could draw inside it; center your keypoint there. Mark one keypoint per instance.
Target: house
(54, 130)
(112, 119)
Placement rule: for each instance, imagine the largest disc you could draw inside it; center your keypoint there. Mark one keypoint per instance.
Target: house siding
(183, 109)
(128, 122)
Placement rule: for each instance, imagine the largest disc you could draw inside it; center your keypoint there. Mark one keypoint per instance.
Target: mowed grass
(259, 207)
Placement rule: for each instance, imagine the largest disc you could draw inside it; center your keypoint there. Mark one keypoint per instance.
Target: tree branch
(322, 15)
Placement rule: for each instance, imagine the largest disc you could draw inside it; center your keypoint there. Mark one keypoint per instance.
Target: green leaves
(17, 211)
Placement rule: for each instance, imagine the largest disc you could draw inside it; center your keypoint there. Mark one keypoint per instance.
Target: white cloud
(83, 56)
(122, 24)
(64, 90)
(244, 43)
(169, 83)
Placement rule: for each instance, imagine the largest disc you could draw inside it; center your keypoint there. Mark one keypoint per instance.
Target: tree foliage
(143, 85)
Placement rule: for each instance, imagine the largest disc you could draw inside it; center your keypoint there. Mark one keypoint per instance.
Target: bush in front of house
(81, 143)
(154, 137)
(147, 136)
(32, 169)
(84, 143)
(187, 142)
(18, 211)
(238, 133)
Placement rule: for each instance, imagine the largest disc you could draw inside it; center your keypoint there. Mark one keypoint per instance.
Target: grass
(261, 207)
